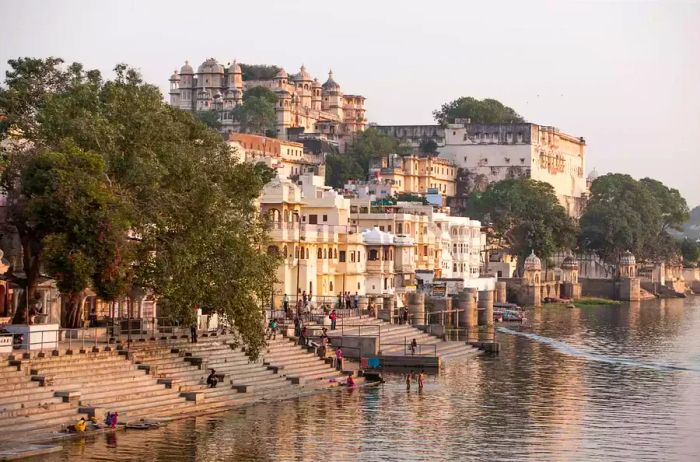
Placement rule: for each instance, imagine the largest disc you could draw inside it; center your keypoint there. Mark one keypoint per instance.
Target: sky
(624, 75)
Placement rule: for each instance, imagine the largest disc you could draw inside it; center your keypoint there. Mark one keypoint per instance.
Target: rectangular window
(352, 257)
(313, 219)
(341, 256)
(325, 217)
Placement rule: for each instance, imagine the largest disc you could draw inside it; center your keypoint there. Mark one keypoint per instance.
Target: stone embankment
(40, 393)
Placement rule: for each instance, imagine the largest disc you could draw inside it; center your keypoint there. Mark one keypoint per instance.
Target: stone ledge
(196, 396)
(68, 396)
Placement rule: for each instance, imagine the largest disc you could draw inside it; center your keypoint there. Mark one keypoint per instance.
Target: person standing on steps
(193, 333)
(297, 326)
(285, 305)
(414, 346)
(333, 317)
(356, 301)
(404, 314)
(302, 337)
(272, 326)
(338, 358)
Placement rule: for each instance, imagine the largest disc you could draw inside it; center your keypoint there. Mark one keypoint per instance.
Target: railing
(474, 334)
(408, 347)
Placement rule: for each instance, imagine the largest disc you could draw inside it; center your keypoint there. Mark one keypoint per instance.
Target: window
(341, 258)
(325, 217)
(389, 228)
(352, 257)
(320, 254)
(313, 219)
(373, 255)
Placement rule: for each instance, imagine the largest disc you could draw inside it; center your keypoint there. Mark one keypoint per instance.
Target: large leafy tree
(625, 214)
(485, 111)
(525, 216)
(196, 234)
(257, 113)
(82, 220)
(354, 164)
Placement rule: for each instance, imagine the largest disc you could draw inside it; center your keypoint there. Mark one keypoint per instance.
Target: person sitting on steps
(212, 380)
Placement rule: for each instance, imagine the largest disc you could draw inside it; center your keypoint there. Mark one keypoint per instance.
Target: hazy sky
(624, 75)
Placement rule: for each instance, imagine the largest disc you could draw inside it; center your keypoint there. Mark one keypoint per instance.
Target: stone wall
(601, 288)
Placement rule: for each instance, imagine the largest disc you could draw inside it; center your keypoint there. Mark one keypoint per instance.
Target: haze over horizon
(623, 75)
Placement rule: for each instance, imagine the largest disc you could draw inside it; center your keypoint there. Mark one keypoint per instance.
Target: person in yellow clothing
(80, 425)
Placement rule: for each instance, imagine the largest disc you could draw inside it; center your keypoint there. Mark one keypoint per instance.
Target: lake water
(597, 383)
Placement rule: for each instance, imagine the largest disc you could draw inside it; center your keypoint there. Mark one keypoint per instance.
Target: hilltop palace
(304, 105)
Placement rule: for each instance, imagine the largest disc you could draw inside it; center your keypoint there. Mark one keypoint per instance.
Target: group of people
(82, 424)
(347, 301)
(412, 377)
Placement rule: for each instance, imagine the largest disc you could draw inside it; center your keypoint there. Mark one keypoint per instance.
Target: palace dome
(569, 263)
(331, 84)
(186, 69)
(303, 75)
(282, 74)
(210, 66)
(316, 83)
(533, 263)
(234, 68)
(175, 77)
(628, 259)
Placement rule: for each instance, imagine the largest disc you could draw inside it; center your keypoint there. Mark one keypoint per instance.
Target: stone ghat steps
(297, 363)
(398, 334)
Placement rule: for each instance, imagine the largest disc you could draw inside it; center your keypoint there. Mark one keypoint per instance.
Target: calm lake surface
(596, 383)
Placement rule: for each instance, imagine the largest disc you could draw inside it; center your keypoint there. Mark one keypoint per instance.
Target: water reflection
(533, 402)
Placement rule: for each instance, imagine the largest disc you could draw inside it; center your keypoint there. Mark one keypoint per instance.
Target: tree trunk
(32, 264)
(72, 310)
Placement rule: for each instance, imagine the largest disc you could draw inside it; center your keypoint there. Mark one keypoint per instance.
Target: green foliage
(209, 118)
(258, 71)
(690, 250)
(428, 146)
(486, 111)
(526, 216)
(625, 214)
(197, 239)
(340, 168)
(257, 113)
(354, 164)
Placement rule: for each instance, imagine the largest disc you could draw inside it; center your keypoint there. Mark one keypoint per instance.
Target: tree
(209, 118)
(257, 113)
(486, 111)
(68, 201)
(625, 214)
(258, 71)
(526, 216)
(690, 250)
(340, 168)
(197, 238)
(428, 146)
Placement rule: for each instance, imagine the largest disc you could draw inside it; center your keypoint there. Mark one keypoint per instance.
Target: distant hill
(692, 228)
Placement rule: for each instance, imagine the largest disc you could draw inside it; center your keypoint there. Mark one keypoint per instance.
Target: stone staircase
(299, 365)
(396, 338)
(159, 380)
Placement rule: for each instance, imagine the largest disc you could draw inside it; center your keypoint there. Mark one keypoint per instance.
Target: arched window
(325, 254)
(307, 253)
(330, 286)
(284, 251)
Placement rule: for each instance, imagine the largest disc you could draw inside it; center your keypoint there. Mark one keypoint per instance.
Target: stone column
(500, 292)
(416, 308)
(485, 305)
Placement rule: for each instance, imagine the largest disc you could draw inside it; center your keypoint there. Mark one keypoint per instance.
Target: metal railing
(408, 347)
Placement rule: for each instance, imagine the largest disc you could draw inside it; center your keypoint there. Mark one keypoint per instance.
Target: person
(409, 378)
(339, 358)
(370, 309)
(350, 382)
(304, 298)
(212, 380)
(405, 315)
(111, 419)
(414, 346)
(297, 326)
(340, 300)
(302, 337)
(356, 301)
(333, 317)
(193, 333)
(285, 305)
(79, 426)
(272, 326)
(347, 300)
(421, 380)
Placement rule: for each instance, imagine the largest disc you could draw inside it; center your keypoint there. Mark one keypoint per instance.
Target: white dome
(186, 69)
(175, 76)
(210, 66)
(375, 236)
(533, 263)
(303, 75)
(628, 258)
(234, 68)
